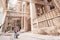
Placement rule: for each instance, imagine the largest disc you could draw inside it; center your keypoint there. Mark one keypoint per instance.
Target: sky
(13, 1)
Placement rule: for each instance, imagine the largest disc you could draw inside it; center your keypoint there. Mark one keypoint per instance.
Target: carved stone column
(22, 23)
(25, 24)
(32, 13)
(25, 18)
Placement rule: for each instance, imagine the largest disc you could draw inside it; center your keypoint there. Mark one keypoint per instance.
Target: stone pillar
(22, 18)
(24, 5)
(11, 24)
(25, 18)
(25, 24)
(22, 23)
(32, 12)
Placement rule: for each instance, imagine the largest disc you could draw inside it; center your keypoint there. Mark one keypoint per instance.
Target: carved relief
(51, 4)
(39, 9)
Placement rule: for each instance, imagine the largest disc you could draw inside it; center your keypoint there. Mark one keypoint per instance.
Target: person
(16, 29)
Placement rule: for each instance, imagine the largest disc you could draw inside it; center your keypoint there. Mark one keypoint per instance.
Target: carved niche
(51, 4)
(39, 9)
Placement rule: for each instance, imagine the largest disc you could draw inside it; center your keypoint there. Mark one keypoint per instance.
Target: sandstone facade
(42, 16)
